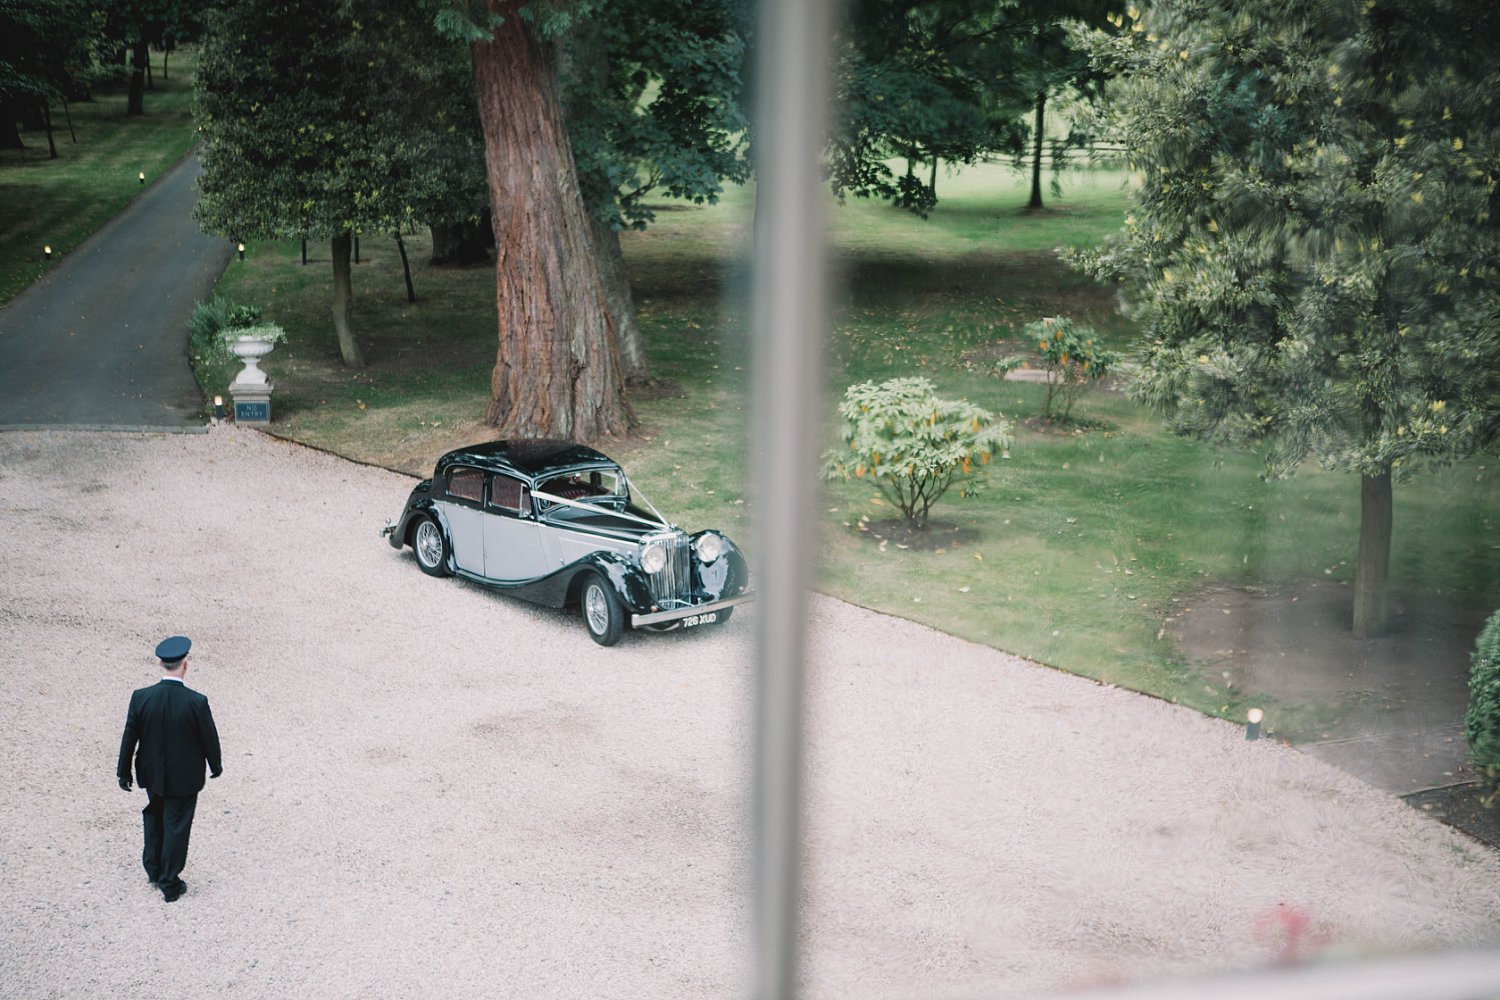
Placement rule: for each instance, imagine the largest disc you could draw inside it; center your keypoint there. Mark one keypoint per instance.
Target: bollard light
(142, 176)
(218, 407)
(47, 252)
(242, 251)
(1252, 730)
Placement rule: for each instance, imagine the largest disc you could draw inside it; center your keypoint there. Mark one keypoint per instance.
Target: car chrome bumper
(676, 614)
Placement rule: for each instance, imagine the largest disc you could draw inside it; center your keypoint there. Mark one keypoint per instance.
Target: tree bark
(557, 371)
(343, 286)
(620, 301)
(411, 293)
(1036, 151)
(140, 56)
(51, 143)
(1373, 570)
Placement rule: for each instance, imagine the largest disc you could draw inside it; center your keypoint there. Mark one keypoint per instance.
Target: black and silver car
(557, 523)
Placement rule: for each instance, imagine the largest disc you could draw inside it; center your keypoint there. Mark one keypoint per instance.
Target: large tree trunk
(557, 371)
(1373, 569)
(343, 289)
(583, 61)
(620, 301)
(1036, 151)
(140, 56)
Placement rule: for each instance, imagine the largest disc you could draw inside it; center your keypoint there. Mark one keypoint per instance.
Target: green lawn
(1083, 547)
(58, 203)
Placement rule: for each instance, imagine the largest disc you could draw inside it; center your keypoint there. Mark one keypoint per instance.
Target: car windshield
(588, 485)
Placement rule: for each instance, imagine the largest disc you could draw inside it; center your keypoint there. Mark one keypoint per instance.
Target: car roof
(535, 457)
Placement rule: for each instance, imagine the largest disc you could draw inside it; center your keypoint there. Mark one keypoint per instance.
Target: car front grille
(673, 586)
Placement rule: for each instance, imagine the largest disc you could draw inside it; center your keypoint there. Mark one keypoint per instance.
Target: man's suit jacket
(174, 730)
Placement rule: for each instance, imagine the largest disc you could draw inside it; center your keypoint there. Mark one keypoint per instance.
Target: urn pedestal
(251, 389)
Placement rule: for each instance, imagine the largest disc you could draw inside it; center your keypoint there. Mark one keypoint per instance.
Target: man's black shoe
(175, 892)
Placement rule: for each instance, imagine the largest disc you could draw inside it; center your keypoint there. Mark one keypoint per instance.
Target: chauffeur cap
(173, 650)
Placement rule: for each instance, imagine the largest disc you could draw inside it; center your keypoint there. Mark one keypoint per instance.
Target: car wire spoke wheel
(601, 611)
(431, 547)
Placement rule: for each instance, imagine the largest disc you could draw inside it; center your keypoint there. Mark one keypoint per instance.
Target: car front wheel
(431, 547)
(601, 611)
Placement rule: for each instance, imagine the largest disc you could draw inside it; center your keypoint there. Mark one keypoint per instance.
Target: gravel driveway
(431, 790)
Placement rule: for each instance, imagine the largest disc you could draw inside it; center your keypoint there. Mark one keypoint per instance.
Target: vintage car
(557, 523)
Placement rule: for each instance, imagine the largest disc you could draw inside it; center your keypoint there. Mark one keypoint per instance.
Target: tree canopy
(361, 122)
(44, 45)
(1313, 242)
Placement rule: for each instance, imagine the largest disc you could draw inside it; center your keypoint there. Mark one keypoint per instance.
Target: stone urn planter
(251, 389)
(250, 350)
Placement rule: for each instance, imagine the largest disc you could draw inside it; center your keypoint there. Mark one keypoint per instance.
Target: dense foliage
(1482, 720)
(362, 121)
(928, 81)
(45, 46)
(654, 101)
(913, 446)
(1313, 244)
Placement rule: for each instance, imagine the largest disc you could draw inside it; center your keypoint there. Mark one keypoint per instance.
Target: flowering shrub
(912, 446)
(1074, 360)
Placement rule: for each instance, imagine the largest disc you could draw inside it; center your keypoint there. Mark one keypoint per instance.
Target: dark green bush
(212, 318)
(1482, 720)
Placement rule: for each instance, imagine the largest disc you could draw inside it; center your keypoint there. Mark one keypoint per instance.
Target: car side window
(508, 494)
(466, 484)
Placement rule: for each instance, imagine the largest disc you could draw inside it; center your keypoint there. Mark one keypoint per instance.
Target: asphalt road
(101, 341)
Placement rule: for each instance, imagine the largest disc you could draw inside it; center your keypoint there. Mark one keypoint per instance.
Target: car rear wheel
(431, 547)
(601, 611)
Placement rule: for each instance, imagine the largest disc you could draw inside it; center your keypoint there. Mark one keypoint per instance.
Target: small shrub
(911, 445)
(209, 321)
(1073, 359)
(1482, 720)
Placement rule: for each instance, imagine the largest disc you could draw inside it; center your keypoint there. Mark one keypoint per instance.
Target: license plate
(706, 619)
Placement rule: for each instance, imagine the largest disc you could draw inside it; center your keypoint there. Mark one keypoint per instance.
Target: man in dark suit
(170, 733)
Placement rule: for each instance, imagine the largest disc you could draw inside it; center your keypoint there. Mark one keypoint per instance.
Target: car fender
(429, 509)
(726, 576)
(623, 575)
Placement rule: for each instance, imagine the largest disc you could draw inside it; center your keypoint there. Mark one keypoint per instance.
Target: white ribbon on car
(661, 522)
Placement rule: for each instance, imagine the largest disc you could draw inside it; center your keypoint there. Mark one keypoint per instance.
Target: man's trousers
(169, 821)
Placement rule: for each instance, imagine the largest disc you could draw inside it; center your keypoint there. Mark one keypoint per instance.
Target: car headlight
(654, 558)
(709, 547)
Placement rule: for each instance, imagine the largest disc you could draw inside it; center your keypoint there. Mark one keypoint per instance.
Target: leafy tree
(1047, 60)
(913, 446)
(43, 43)
(916, 80)
(348, 125)
(137, 25)
(652, 95)
(1313, 241)
(931, 80)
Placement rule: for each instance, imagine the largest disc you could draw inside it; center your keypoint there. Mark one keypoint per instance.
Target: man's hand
(124, 784)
